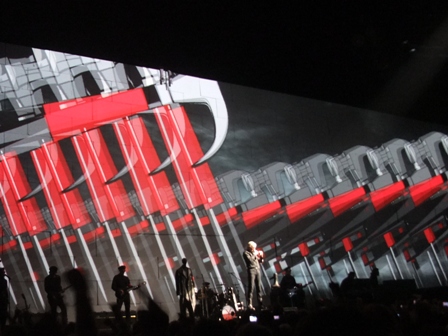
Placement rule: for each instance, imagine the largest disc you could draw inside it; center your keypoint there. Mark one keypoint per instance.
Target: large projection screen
(104, 164)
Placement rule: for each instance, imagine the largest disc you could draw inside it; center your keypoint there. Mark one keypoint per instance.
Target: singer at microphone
(253, 258)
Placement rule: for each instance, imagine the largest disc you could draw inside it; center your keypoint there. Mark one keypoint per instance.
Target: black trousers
(185, 305)
(56, 301)
(253, 275)
(126, 301)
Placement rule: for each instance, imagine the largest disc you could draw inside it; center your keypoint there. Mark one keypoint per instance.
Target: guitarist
(292, 292)
(121, 285)
(55, 292)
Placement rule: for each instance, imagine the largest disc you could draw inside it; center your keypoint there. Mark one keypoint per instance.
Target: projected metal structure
(101, 166)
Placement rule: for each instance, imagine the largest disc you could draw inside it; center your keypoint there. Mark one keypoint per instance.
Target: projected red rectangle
(12, 211)
(28, 208)
(50, 190)
(384, 196)
(104, 165)
(422, 191)
(71, 117)
(147, 154)
(93, 181)
(197, 183)
(62, 176)
(341, 203)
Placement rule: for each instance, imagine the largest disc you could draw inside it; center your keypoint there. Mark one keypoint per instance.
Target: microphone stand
(240, 303)
(239, 279)
(203, 299)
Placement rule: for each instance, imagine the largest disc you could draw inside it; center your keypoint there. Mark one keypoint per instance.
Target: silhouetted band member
(348, 288)
(4, 299)
(253, 258)
(185, 289)
(207, 299)
(53, 288)
(121, 285)
(292, 292)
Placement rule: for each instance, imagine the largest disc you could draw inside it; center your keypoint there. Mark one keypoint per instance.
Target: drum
(228, 313)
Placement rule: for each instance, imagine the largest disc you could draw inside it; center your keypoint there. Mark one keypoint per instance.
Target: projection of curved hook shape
(131, 159)
(75, 184)
(33, 193)
(186, 89)
(123, 171)
(174, 150)
(78, 182)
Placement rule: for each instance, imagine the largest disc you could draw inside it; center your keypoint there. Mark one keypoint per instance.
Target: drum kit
(225, 305)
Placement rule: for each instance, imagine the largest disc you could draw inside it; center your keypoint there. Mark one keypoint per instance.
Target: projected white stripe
(30, 270)
(88, 179)
(136, 257)
(91, 262)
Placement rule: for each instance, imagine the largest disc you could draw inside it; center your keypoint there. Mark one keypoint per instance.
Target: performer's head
(251, 246)
(53, 269)
(122, 268)
(288, 270)
(184, 261)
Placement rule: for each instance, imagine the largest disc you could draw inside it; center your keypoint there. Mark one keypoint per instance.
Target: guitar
(64, 289)
(60, 293)
(121, 293)
(295, 290)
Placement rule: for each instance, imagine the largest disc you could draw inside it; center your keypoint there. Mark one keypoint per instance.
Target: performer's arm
(260, 255)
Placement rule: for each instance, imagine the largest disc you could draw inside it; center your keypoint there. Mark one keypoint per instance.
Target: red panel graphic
(429, 234)
(257, 215)
(139, 228)
(224, 216)
(73, 204)
(422, 191)
(147, 155)
(197, 183)
(138, 176)
(51, 192)
(348, 245)
(104, 165)
(10, 205)
(71, 117)
(341, 203)
(29, 208)
(407, 255)
(384, 196)
(93, 180)
(304, 249)
(300, 209)
(389, 238)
